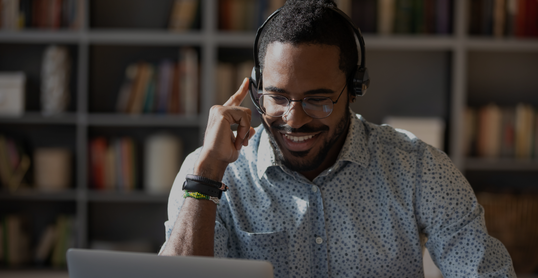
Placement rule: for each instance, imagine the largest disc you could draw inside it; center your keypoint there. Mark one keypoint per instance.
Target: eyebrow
(309, 93)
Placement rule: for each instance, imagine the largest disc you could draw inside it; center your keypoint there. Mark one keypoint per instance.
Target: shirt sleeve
(453, 221)
(175, 202)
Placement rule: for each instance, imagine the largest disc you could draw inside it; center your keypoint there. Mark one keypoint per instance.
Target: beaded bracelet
(200, 196)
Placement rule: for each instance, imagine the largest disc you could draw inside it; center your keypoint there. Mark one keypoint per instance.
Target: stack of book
(169, 88)
(113, 164)
(14, 163)
(48, 14)
(499, 18)
(508, 132)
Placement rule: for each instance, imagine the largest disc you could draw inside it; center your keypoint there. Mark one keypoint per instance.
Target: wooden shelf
(501, 164)
(38, 118)
(113, 119)
(126, 197)
(36, 195)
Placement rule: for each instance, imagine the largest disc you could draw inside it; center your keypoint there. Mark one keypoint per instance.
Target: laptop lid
(83, 263)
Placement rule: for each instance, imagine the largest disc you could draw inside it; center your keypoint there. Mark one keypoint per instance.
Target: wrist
(212, 170)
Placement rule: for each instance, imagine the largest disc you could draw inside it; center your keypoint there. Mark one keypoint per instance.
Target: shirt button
(314, 188)
(319, 240)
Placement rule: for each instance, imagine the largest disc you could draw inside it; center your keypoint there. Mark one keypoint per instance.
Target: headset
(361, 79)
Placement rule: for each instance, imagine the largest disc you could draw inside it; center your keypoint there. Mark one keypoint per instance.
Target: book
(97, 149)
(163, 155)
(489, 131)
(521, 18)
(16, 240)
(403, 16)
(508, 132)
(499, 18)
(524, 130)
(385, 17)
(65, 240)
(126, 88)
(511, 11)
(183, 15)
(469, 133)
(189, 80)
(46, 244)
(12, 93)
(225, 80)
(164, 87)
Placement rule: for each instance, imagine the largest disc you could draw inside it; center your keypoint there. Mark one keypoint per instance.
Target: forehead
(310, 65)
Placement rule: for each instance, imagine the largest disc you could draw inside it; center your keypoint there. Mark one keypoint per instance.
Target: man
(324, 193)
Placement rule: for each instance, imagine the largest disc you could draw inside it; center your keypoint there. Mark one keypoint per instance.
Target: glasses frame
(288, 107)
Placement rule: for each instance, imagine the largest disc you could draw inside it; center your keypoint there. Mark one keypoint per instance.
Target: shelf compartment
(121, 223)
(28, 58)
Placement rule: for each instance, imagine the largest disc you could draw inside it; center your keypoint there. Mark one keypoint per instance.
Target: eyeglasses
(316, 107)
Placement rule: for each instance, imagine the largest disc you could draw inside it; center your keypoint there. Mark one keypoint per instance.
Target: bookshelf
(433, 75)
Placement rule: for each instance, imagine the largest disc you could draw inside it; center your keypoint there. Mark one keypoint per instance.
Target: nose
(295, 117)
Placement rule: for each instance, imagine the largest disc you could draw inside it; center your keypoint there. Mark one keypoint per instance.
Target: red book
(56, 14)
(98, 147)
(532, 19)
(521, 18)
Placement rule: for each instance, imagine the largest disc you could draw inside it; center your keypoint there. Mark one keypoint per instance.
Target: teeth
(298, 138)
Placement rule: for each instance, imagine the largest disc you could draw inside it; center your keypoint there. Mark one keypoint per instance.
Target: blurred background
(100, 101)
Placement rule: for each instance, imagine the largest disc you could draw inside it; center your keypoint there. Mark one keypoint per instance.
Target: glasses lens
(274, 105)
(318, 107)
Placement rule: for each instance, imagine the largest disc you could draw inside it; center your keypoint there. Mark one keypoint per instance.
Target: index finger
(237, 98)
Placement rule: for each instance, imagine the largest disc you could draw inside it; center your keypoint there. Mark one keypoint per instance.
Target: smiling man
(316, 189)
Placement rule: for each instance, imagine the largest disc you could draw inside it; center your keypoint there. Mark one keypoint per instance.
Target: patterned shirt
(362, 217)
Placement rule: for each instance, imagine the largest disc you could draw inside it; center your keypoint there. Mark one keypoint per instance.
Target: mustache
(302, 129)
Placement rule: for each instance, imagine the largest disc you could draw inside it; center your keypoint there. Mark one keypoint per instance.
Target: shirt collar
(354, 150)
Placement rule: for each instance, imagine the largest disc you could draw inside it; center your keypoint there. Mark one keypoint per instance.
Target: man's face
(303, 143)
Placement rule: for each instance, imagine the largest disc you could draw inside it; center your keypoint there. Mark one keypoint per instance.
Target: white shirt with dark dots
(362, 217)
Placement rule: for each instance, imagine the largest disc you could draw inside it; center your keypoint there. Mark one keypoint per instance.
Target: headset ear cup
(361, 82)
(253, 89)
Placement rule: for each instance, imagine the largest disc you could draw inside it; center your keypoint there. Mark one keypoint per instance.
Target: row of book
(499, 18)
(493, 131)
(46, 14)
(14, 163)
(114, 163)
(16, 247)
(168, 88)
(371, 16)
(401, 16)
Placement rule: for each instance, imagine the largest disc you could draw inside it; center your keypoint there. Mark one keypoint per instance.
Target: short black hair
(312, 22)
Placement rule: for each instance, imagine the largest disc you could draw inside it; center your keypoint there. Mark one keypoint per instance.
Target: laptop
(84, 263)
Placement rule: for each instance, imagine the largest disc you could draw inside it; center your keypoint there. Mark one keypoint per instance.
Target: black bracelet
(196, 186)
(221, 186)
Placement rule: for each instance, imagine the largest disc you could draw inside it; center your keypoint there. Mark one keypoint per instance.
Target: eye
(276, 99)
(317, 100)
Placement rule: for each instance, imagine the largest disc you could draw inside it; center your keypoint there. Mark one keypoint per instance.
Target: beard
(305, 165)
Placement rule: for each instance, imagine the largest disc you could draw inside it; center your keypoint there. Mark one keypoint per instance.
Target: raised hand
(221, 147)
